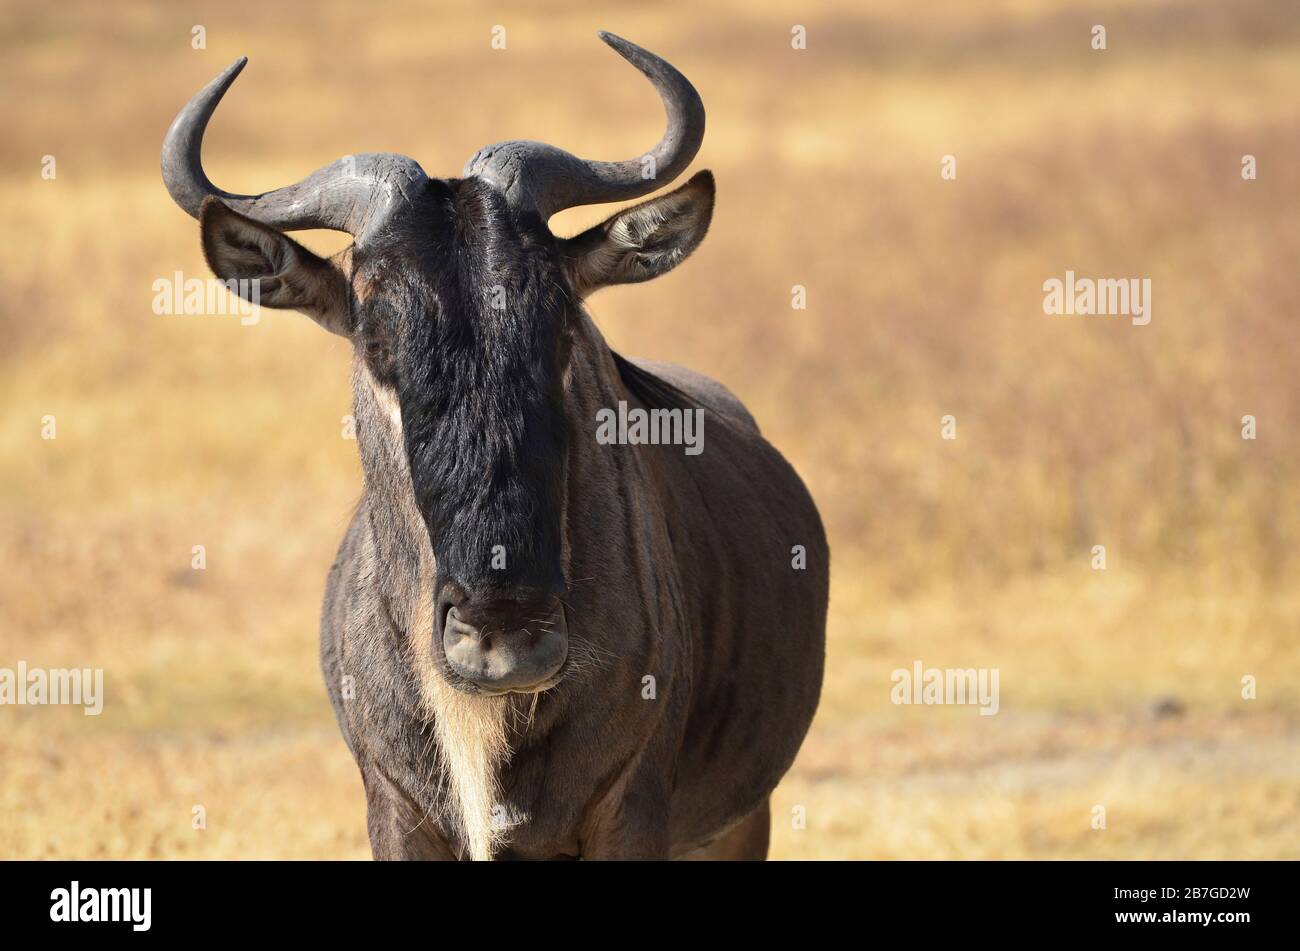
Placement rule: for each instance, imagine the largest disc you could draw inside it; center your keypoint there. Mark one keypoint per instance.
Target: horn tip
(228, 74)
(616, 41)
(642, 59)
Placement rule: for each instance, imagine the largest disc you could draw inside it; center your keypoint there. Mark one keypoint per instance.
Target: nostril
(451, 596)
(456, 627)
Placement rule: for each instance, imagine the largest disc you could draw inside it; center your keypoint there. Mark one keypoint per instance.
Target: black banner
(1221, 901)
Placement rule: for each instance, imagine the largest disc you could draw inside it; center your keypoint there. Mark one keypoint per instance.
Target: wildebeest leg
(397, 829)
(630, 837)
(631, 822)
(746, 841)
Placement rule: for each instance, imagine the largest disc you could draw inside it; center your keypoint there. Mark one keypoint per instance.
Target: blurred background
(1119, 687)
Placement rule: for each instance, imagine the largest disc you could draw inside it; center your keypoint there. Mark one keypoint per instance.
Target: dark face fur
(468, 324)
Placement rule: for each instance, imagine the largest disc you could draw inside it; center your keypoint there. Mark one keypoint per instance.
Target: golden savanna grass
(1120, 688)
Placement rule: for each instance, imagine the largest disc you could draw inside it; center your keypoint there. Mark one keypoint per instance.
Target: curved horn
(547, 179)
(351, 195)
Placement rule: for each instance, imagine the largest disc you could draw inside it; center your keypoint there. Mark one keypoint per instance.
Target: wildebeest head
(459, 301)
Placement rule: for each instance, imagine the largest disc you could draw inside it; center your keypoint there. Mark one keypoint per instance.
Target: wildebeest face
(461, 304)
(468, 325)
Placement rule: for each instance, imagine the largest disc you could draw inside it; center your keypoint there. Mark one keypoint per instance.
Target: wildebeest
(537, 644)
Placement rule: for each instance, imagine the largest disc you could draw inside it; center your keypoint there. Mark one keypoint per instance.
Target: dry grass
(924, 300)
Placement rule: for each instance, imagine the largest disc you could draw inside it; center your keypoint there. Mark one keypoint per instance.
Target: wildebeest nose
(506, 645)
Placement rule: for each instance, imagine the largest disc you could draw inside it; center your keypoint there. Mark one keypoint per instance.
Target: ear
(273, 269)
(643, 241)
